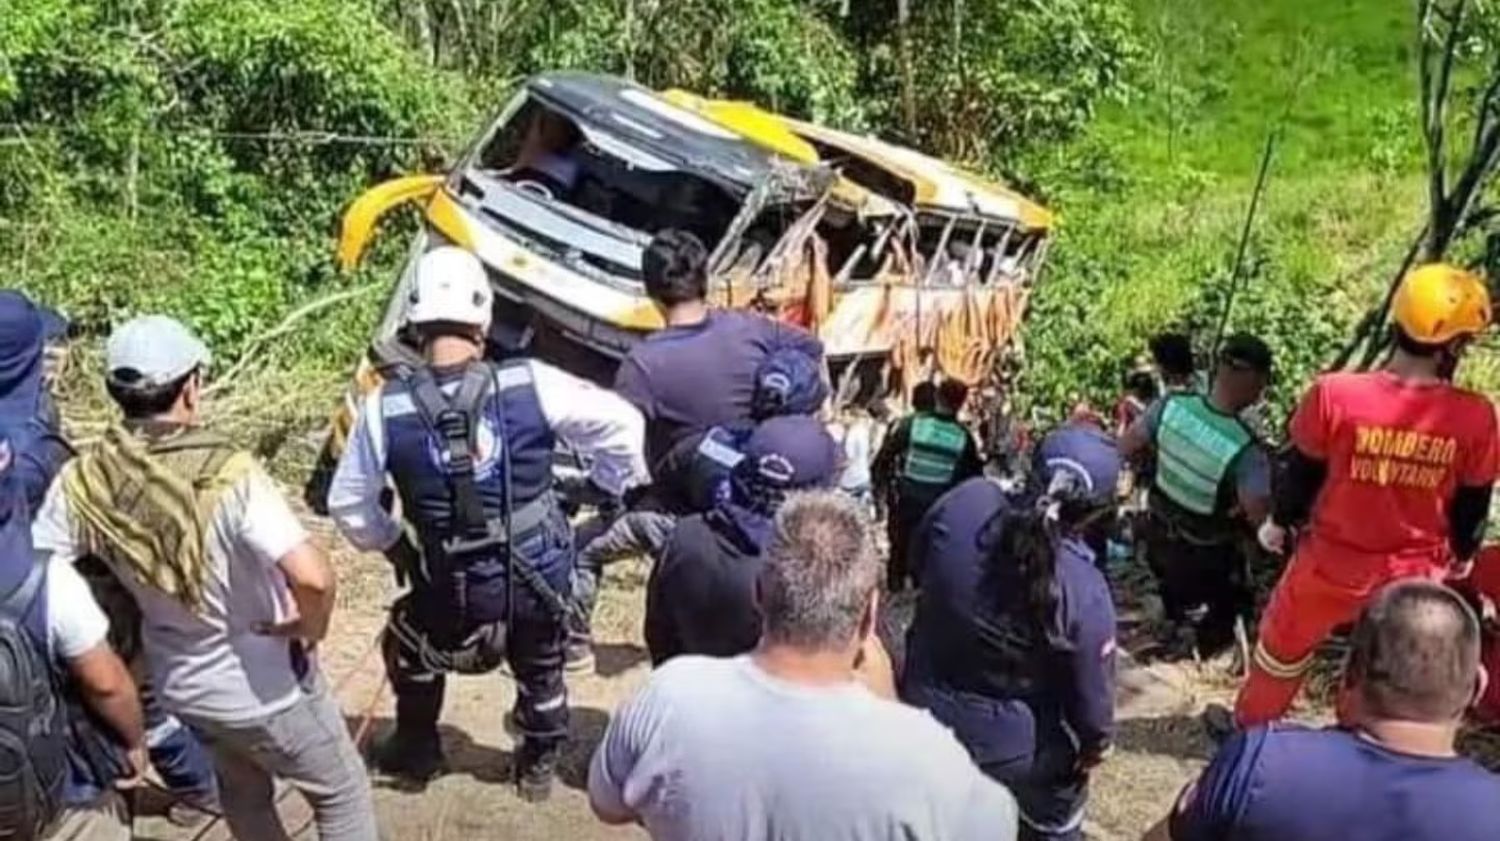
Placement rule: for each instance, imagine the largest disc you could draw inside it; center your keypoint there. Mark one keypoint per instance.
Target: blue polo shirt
(688, 379)
(1285, 783)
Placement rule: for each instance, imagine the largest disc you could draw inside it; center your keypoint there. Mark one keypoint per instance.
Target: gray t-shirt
(717, 748)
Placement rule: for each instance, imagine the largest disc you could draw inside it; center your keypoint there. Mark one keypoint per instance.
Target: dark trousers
(1051, 794)
(420, 649)
(1025, 748)
(1193, 575)
(905, 515)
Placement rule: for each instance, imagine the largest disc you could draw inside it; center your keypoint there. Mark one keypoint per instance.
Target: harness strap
(455, 423)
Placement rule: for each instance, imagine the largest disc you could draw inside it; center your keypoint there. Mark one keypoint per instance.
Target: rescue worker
(1172, 353)
(701, 595)
(928, 453)
(1483, 588)
(1211, 486)
(1082, 444)
(699, 371)
(1388, 476)
(788, 383)
(1392, 771)
(26, 408)
(469, 446)
(1012, 646)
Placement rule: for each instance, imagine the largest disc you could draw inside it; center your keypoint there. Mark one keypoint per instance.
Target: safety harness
(470, 533)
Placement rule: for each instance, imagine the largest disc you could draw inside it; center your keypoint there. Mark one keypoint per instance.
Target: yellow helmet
(1438, 303)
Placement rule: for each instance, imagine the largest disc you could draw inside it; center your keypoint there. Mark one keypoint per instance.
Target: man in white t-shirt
(795, 741)
(54, 609)
(233, 595)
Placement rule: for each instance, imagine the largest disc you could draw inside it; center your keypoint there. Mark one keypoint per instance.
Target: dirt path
(1160, 744)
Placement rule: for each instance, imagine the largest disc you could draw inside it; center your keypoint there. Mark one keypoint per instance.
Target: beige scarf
(145, 498)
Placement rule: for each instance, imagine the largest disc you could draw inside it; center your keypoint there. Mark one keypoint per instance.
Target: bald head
(1416, 653)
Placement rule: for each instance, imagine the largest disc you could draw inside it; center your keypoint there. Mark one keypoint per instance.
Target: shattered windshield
(586, 193)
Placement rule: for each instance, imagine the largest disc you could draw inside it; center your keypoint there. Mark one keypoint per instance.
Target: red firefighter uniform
(1484, 582)
(1396, 451)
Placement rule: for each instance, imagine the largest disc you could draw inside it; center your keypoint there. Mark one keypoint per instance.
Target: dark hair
(675, 268)
(1142, 385)
(1415, 653)
(1173, 353)
(142, 402)
(952, 394)
(1247, 352)
(1414, 347)
(924, 396)
(1028, 546)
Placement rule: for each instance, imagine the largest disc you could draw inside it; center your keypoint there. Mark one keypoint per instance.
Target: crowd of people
(161, 605)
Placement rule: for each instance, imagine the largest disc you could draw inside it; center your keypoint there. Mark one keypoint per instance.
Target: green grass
(1153, 196)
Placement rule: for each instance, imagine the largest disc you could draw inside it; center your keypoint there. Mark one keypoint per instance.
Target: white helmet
(451, 286)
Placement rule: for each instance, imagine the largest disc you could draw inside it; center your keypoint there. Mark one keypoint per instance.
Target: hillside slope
(1154, 195)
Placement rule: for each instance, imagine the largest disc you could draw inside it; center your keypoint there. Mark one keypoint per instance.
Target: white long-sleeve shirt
(595, 422)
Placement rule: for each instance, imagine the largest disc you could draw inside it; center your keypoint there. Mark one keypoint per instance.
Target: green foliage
(157, 161)
(1153, 195)
(991, 76)
(192, 155)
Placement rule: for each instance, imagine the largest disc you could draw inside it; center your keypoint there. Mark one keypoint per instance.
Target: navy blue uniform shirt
(971, 607)
(701, 596)
(1284, 783)
(687, 379)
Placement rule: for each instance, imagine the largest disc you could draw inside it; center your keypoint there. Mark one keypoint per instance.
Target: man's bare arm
(109, 692)
(310, 578)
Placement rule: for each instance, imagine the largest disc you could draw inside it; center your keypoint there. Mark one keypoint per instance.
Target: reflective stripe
(1267, 662)
(719, 452)
(1196, 446)
(935, 447)
(163, 731)
(398, 404)
(1073, 466)
(550, 704)
(1072, 824)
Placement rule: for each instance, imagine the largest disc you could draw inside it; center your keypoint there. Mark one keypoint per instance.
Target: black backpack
(33, 720)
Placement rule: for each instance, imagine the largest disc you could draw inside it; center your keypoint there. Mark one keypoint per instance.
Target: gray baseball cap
(152, 350)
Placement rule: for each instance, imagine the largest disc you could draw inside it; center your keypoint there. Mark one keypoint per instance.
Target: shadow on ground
(489, 764)
(612, 659)
(1178, 736)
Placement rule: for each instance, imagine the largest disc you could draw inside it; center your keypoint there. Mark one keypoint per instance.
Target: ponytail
(1028, 544)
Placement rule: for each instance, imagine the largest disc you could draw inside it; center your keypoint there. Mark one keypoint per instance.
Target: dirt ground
(1160, 744)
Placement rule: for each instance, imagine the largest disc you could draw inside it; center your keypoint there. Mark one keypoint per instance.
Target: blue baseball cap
(791, 452)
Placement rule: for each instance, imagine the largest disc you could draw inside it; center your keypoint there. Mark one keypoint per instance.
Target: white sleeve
(354, 493)
(631, 730)
(597, 423)
(268, 527)
(990, 812)
(52, 530)
(75, 622)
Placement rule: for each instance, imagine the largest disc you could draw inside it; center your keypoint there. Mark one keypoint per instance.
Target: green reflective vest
(1196, 446)
(934, 450)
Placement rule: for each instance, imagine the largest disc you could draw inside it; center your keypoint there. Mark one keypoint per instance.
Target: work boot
(415, 758)
(536, 767)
